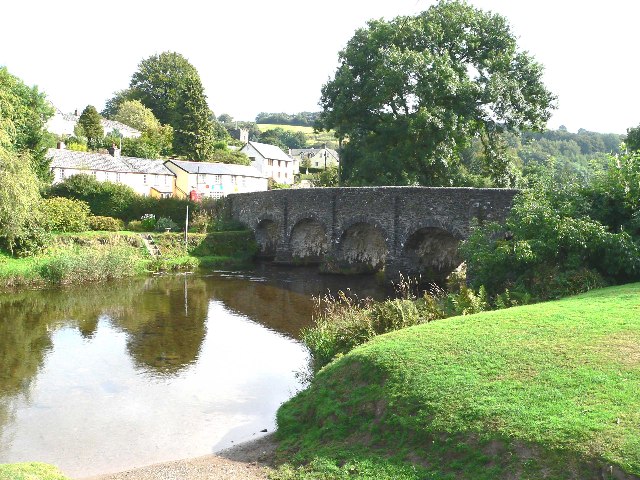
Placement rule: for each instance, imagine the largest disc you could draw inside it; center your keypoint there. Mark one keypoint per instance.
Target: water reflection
(106, 377)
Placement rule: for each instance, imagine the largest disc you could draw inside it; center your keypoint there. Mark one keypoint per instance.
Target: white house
(145, 176)
(198, 180)
(315, 157)
(271, 161)
(64, 123)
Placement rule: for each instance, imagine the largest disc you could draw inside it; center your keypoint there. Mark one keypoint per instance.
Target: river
(106, 377)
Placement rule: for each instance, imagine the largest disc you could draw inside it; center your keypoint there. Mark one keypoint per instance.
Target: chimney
(114, 151)
(75, 112)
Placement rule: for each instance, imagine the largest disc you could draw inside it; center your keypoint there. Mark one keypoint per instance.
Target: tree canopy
(171, 88)
(136, 115)
(91, 124)
(24, 112)
(410, 93)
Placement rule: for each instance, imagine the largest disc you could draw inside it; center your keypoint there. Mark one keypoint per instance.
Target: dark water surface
(105, 377)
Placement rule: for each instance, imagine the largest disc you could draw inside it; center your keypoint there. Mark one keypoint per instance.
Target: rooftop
(104, 162)
(217, 168)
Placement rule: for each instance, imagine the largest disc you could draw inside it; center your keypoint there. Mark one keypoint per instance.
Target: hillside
(540, 391)
(313, 139)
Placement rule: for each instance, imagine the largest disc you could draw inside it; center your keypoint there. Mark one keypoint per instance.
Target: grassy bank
(30, 471)
(539, 391)
(98, 256)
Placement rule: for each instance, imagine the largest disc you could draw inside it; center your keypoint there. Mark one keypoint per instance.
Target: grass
(30, 471)
(540, 391)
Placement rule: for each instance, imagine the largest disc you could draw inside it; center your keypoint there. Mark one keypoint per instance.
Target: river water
(105, 377)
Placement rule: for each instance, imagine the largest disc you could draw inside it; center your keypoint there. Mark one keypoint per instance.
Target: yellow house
(198, 180)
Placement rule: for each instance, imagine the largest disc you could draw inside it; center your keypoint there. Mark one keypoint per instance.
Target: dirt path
(250, 461)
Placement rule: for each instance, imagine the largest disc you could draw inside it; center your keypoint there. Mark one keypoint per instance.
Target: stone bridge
(409, 230)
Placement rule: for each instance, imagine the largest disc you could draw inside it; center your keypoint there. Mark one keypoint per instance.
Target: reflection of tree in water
(166, 325)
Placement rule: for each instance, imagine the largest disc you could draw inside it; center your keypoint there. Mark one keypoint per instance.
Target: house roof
(217, 168)
(270, 152)
(110, 125)
(313, 152)
(105, 162)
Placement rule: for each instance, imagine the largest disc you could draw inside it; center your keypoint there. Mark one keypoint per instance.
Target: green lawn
(542, 391)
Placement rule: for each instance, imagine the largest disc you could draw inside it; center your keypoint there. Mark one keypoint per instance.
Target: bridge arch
(267, 233)
(431, 249)
(308, 241)
(363, 247)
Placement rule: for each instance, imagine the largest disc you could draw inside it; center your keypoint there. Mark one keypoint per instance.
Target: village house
(315, 157)
(272, 162)
(198, 180)
(143, 175)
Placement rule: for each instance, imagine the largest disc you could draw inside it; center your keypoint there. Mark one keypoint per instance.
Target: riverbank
(252, 460)
(98, 256)
(535, 392)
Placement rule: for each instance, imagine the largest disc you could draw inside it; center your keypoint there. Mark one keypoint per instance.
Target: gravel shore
(251, 461)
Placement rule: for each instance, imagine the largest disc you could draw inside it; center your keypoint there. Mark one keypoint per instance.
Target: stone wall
(401, 229)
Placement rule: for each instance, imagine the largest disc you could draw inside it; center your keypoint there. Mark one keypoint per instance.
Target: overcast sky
(274, 56)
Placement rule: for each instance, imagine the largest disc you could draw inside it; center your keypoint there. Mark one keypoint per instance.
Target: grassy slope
(542, 391)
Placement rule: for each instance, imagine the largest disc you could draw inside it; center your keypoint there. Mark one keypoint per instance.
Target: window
(94, 173)
(279, 174)
(144, 178)
(278, 163)
(216, 179)
(234, 179)
(62, 173)
(270, 163)
(244, 181)
(285, 175)
(166, 179)
(156, 179)
(201, 178)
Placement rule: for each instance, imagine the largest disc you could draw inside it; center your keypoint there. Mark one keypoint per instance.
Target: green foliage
(106, 224)
(410, 93)
(284, 139)
(105, 199)
(329, 177)
(20, 221)
(229, 156)
(552, 243)
(65, 214)
(633, 139)
(306, 119)
(30, 471)
(165, 223)
(91, 124)
(136, 115)
(545, 391)
(148, 222)
(91, 265)
(24, 112)
(171, 87)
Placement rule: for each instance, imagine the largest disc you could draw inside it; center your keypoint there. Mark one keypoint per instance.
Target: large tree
(171, 87)
(410, 93)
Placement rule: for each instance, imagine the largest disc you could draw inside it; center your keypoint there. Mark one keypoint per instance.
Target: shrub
(200, 222)
(135, 226)
(148, 222)
(108, 224)
(165, 223)
(65, 214)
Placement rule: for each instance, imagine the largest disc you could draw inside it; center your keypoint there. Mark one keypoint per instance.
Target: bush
(148, 222)
(165, 223)
(108, 224)
(65, 214)
(135, 226)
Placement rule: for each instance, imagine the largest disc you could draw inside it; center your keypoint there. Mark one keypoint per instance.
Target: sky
(274, 56)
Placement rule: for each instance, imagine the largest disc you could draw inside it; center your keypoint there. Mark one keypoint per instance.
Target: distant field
(313, 139)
